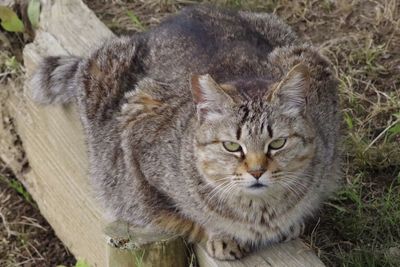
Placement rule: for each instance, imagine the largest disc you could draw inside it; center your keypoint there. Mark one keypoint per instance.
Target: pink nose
(256, 174)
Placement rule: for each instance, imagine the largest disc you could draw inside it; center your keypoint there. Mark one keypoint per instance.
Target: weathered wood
(290, 254)
(11, 150)
(52, 136)
(129, 246)
(54, 144)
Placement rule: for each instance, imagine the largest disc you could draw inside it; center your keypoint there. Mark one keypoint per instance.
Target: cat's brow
(305, 140)
(238, 132)
(262, 127)
(269, 129)
(246, 111)
(208, 143)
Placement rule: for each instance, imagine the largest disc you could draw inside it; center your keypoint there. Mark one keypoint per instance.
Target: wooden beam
(131, 246)
(54, 144)
(290, 254)
(52, 136)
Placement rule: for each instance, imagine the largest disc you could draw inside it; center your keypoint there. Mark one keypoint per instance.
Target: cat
(219, 125)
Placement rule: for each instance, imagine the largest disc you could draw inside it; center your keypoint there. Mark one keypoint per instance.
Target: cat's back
(208, 29)
(205, 39)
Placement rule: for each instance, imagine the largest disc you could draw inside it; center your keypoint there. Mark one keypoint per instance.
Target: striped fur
(157, 106)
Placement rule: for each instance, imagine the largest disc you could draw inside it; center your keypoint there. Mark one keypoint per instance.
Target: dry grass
(25, 237)
(360, 226)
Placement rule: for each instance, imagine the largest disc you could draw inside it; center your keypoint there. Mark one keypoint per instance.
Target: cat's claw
(226, 249)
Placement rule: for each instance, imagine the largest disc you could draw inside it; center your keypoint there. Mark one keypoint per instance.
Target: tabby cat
(218, 125)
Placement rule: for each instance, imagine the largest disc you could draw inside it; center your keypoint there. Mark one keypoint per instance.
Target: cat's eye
(277, 143)
(232, 146)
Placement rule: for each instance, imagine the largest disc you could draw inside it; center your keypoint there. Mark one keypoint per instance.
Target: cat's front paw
(226, 249)
(294, 232)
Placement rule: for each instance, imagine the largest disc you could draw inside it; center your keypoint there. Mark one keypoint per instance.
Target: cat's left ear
(209, 97)
(290, 93)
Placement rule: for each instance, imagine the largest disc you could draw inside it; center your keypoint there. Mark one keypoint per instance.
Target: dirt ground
(26, 239)
(359, 226)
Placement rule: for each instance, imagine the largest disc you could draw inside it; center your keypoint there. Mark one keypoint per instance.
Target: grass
(360, 224)
(19, 188)
(139, 259)
(10, 67)
(25, 237)
(363, 223)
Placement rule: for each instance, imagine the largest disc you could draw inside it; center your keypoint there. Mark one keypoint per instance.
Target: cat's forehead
(252, 89)
(253, 111)
(257, 120)
(254, 119)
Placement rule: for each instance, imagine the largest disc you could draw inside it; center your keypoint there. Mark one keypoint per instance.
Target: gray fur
(152, 155)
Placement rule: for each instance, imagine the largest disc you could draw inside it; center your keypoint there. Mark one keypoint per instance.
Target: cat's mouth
(257, 185)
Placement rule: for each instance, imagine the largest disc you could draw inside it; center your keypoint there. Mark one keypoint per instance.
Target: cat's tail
(56, 80)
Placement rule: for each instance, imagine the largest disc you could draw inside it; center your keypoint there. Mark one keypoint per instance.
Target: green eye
(232, 146)
(277, 143)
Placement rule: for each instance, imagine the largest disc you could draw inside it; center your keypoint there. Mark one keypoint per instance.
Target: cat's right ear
(208, 97)
(290, 93)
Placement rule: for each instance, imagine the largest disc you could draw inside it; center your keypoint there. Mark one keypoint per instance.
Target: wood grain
(52, 135)
(290, 254)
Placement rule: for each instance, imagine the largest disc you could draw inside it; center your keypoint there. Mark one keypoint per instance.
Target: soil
(26, 239)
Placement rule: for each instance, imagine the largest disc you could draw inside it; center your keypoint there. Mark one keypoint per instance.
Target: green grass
(366, 225)
(19, 188)
(139, 258)
(360, 226)
(135, 20)
(10, 67)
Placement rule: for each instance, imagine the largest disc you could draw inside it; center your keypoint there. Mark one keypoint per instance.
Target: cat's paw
(294, 231)
(226, 249)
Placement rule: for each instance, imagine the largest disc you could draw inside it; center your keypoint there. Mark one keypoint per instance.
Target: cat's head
(249, 145)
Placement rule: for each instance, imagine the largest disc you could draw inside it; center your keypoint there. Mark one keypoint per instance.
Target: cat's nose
(257, 174)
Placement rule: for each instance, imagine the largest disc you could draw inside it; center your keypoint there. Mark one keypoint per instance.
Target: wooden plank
(130, 246)
(54, 144)
(290, 254)
(74, 25)
(11, 150)
(53, 139)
